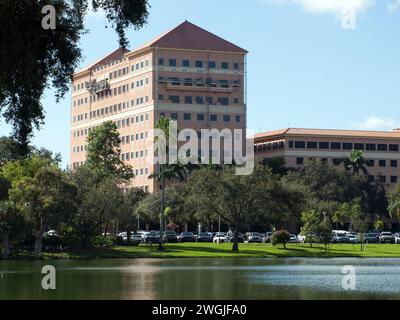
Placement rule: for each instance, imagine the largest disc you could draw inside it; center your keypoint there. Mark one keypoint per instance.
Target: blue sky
(306, 66)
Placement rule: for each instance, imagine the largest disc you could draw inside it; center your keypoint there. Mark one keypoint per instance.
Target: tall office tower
(188, 74)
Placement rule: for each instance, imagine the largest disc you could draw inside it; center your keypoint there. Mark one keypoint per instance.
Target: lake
(292, 278)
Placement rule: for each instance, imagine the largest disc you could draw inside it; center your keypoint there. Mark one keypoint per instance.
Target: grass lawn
(223, 250)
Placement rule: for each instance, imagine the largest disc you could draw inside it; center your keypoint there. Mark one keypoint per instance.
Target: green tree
(236, 199)
(356, 163)
(394, 203)
(104, 150)
(10, 221)
(131, 200)
(38, 198)
(325, 231)
(52, 54)
(99, 204)
(310, 225)
(379, 225)
(8, 150)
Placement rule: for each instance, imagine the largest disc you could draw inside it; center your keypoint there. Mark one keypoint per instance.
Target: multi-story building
(188, 74)
(298, 146)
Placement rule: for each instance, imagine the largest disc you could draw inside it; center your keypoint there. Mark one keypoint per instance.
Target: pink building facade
(188, 75)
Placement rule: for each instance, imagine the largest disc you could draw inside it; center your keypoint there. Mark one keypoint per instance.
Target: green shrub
(280, 237)
(105, 242)
(71, 242)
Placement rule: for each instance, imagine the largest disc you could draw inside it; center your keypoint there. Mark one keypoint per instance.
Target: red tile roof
(329, 133)
(189, 36)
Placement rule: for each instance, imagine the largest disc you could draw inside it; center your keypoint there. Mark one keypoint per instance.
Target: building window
(199, 64)
(299, 144)
(185, 63)
(370, 163)
(223, 101)
(371, 178)
(382, 179)
(336, 145)
(299, 161)
(199, 100)
(187, 116)
(393, 179)
(393, 163)
(370, 146)
(359, 146)
(174, 116)
(227, 118)
(347, 146)
(188, 100)
(224, 65)
(382, 147)
(174, 99)
(200, 117)
(236, 100)
(213, 117)
(324, 145)
(312, 145)
(394, 147)
(237, 119)
(382, 163)
(212, 64)
(236, 66)
(291, 144)
(172, 62)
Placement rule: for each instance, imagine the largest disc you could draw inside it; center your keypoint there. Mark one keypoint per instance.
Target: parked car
(340, 238)
(186, 237)
(397, 238)
(170, 237)
(267, 237)
(386, 237)
(240, 238)
(370, 238)
(152, 237)
(353, 237)
(136, 239)
(220, 237)
(204, 237)
(293, 239)
(301, 238)
(254, 237)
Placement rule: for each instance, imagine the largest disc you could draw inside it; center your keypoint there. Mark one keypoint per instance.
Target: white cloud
(344, 10)
(333, 6)
(377, 123)
(392, 7)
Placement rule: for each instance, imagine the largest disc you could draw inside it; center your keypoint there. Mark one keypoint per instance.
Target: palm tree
(356, 162)
(394, 203)
(163, 125)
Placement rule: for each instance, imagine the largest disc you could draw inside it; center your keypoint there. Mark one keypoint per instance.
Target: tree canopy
(33, 57)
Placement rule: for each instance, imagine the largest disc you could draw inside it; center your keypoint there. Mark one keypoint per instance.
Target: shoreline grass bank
(224, 250)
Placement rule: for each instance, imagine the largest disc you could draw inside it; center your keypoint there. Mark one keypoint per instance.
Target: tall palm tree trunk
(160, 245)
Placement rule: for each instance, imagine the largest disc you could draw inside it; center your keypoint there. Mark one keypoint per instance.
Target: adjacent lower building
(298, 146)
(188, 74)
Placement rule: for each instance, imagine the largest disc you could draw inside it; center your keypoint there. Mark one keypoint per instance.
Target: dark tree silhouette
(32, 57)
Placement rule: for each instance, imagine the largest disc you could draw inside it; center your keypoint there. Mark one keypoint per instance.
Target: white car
(301, 238)
(293, 239)
(397, 238)
(220, 237)
(254, 237)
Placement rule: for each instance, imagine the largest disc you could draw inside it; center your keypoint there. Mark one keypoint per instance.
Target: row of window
(111, 109)
(187, 63)
(343, 146)
(119, 123)
(125, 71)
(269, 146)
(200, 82)
(370, 162)
(223, 101)
(201, 117)
(112, 92)
(130, 156)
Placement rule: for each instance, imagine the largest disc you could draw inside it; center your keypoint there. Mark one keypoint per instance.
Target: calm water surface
(202, 279)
